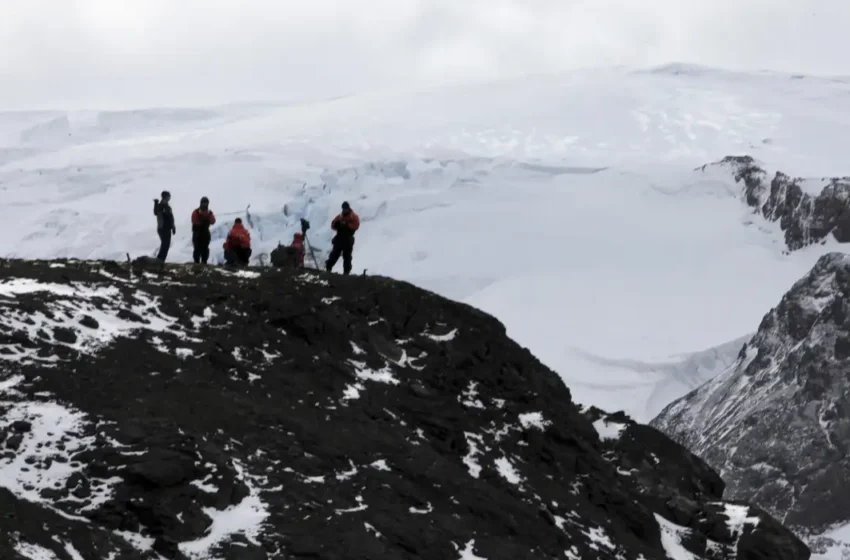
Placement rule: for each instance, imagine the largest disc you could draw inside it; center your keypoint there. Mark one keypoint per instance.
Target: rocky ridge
(807, 210)
(776, 425)
(198, 412)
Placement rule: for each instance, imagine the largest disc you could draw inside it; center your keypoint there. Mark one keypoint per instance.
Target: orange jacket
(298, 243)
(352, 221)
(199, 215)
(238, 237)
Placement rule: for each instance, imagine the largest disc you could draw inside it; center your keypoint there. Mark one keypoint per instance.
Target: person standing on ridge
(237, 246)
(202, 219)
(164, 223)
(345, 224)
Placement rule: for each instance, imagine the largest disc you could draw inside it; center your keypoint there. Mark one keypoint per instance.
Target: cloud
(105, 53)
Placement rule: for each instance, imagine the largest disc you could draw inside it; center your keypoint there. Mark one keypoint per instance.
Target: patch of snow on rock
(204, 486)
(470, 397)
(8, 385)
(737, 515)
(85, 319)
(313, 279)
(17, 286)
(443, 337)
(345, 475)
(508, 471)
(533, 420)
(384, 375)
(73, 552)
(205, 318)
(245, 518)
(34, 552)
(468, 552)
(381, 465)
(371, 529)
(352, 391)
(608, 430)
(418, 511)
(137, 541)
(598, 537)
(47, 431)
(469, 459)
(359, 507)
(672, 536)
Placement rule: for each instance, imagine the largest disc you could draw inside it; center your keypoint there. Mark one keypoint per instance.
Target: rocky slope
(776, 425)
(807, 210)
(193, 413)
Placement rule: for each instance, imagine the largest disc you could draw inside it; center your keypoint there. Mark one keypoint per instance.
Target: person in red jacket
(237, 246)
(202, 219)
(345, 224)
(298, 243)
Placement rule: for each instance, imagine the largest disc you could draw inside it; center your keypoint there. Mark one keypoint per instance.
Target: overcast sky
(135, 53)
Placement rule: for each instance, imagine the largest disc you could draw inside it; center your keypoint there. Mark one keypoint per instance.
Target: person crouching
(298, 244)
(237, 246)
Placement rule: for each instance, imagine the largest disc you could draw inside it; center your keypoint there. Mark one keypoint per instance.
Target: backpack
(285, 257)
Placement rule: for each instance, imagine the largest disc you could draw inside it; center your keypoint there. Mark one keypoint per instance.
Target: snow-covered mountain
(776, 425)
(199, 413)
(572, 206)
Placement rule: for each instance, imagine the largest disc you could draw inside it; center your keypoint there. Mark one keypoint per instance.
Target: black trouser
(238, 256)
(201, 247)
(341, 246)
(164, 243)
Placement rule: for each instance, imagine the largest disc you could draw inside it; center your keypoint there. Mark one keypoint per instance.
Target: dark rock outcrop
(806, 215)
(777, 424)
(201, 412)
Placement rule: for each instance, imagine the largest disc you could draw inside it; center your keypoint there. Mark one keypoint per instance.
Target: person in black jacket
(164, 223)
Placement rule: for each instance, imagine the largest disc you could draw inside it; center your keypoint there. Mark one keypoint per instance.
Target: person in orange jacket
(298, 243)
(202, 219)
(237, 246)
(345, 224)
